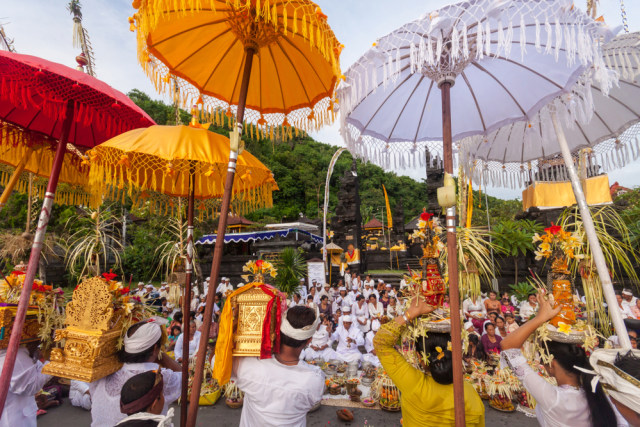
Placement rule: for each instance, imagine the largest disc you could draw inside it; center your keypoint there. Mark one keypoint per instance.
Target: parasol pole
(36, 248)
(186, 301)
(29, 203)
(594, 244)
(452, 259)
(15, 177)
(250, 51)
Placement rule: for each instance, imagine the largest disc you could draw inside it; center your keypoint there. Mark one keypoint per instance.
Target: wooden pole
(15, 177)
(217, 253)
(34, 258)
(452, 263)
(592, 237)
(186, 301)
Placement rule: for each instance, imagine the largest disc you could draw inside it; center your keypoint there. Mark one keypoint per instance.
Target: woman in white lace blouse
(141, 353)
(572, 402)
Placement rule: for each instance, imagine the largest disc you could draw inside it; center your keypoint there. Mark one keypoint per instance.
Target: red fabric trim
(267, 349)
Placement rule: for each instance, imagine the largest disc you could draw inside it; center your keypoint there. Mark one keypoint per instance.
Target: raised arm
(546, 312)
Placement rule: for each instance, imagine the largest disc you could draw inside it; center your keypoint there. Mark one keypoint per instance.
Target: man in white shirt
(628, 299)
(302, 289)
(390, 291)
(529, 307)
(337, 302)
(368, 290)
(281, 390)
(325, 290)
(347, 279)
(141, 290)
(349, 338)
(403, 283)
(320, 346)
(295, 300)
(27, 379)
(368, 281)
(193, 306)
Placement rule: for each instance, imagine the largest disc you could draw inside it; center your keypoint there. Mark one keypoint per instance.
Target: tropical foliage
(291, 268)
(514, 239)
(95, 243)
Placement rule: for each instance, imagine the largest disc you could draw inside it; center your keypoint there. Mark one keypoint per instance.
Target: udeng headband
(301, 334)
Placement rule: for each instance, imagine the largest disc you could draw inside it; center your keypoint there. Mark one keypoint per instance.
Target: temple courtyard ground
(221, 415)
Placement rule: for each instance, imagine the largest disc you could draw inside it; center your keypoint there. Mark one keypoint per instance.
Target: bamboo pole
(15, 177)
(592, 237)
(186, 302)
(34, 258)
(452, 261)
(219, 247)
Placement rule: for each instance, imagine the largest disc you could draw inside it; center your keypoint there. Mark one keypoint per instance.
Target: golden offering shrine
(90, 339)
(250, 309)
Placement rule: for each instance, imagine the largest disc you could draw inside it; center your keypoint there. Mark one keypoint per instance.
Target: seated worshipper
(506, 307)
(141, 353)
(468, 326)
(325, 309)
(475, 351)
(370, 356)
(376, 310)
(281, 390)
(320, 343)
(337, 301)
(628, 298)
(194, 342)
(346, 311)
(575, 400)
(624, 307)
(384, 298)
(302, 289)
(426, 395)
(393, 309)
(492, 304)
(368, 290)
(619, 372)
(501, 327)
(326, 290)
(349, 337)
(381, 287)
(142, 400)
(635, 310)
(390, 291)
(529, 307)
(474, 310)
(195, 301)
(27, 380)
(360, 313)
(511, 322)
(368, 282)
(490, 339)
(295, 300)
(310, 303)
(141, 291)
(446, 303)
(79, 394)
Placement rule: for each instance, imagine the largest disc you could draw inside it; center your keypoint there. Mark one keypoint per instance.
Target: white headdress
(300, 334)
(143, 338)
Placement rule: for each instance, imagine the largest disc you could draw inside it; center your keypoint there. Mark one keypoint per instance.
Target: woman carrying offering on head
(574, 401)
(426, 398)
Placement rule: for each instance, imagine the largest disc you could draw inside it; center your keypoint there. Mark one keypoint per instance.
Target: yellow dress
(424, 402)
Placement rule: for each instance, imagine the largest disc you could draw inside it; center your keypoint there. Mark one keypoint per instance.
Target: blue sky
(44, 28)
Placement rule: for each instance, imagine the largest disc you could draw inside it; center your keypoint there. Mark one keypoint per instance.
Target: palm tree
(291, 268)
(514, 238)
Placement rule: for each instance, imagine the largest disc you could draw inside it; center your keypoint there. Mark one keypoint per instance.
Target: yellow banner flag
(386, 201)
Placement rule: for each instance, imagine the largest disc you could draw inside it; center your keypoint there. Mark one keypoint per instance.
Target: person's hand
(419, 307)
(545, 308)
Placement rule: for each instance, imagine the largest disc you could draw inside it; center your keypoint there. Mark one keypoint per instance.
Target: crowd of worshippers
(490, 319)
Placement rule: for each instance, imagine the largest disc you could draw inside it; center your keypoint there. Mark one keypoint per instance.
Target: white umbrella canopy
(509, 156)
(508, 58)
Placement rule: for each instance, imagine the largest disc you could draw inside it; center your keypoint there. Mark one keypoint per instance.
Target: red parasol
(34, 93)
(71, 107)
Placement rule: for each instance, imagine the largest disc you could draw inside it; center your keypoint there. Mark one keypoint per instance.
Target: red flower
(18, 273)
(426, 216)
(554, 229)
(124, 291)
(109, 276)
(259, 263)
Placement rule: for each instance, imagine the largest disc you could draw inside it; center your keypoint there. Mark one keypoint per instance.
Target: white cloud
(44, 28)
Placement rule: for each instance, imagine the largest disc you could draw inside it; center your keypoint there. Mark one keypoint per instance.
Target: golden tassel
(295, 21)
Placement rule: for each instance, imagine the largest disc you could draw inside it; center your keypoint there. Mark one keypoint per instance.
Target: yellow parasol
(23, 152)
(177, 161)
(289, 49)
(208, 48)
(164, 159)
